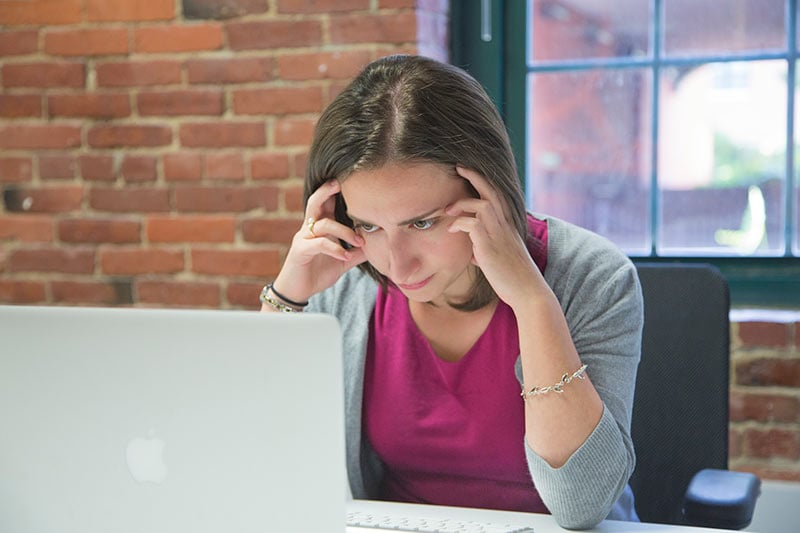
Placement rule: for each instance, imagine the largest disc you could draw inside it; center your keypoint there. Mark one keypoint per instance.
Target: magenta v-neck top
(449, 433)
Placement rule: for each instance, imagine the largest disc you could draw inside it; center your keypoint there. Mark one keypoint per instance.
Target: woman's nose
(403, 258)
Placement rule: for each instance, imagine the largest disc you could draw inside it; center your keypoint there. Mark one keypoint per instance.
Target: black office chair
(680, 410)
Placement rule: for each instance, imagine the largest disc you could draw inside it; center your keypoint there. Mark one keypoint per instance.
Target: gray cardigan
(599, 292)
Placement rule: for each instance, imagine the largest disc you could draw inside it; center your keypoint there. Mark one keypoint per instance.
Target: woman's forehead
(401, 192)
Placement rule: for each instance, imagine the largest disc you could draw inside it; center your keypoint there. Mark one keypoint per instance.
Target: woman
(461, 300)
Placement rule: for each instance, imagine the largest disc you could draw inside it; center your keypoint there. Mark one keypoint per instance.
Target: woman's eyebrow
(422, 216)
(419, 217)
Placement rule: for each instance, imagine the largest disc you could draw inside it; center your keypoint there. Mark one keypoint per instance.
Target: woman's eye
(366, 228)
(423, 224)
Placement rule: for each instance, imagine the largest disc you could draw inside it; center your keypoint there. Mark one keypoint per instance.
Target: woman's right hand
(316, 259)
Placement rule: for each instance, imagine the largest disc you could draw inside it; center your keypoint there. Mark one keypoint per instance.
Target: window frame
(500, 64)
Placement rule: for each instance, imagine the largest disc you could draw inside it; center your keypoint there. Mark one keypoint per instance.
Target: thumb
(357, 256)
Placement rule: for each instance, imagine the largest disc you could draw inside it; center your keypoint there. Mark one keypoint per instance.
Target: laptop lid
(132, 420)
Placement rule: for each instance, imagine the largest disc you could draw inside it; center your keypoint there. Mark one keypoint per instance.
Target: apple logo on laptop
(145, 458)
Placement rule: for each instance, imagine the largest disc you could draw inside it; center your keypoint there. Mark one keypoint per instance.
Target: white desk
(540, 523)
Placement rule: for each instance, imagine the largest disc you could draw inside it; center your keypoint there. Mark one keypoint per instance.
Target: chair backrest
(680, 409)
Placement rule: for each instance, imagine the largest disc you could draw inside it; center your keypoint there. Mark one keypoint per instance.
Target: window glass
(722, 158)
(796, 195)
(796, 248)
(589, 151)
(714, 100)
(582, 29)
(694, 27)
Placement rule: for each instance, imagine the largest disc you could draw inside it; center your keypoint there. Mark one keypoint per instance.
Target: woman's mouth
(414, 286)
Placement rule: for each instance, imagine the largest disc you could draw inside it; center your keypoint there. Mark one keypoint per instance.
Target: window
(666, 125)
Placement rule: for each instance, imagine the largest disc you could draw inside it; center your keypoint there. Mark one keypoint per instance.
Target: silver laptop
(134, 420)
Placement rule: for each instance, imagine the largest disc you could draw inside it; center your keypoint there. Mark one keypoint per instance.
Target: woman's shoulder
(571, 247)
(595, 282)
(581, 263)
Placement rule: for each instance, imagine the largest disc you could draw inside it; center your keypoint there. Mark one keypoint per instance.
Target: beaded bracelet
(265, 298)
(284, 298)
(558, 387)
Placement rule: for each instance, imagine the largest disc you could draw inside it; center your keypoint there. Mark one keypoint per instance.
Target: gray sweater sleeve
(351, 300)
(599, 292)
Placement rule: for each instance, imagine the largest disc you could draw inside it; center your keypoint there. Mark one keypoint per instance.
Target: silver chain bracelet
(558, 387)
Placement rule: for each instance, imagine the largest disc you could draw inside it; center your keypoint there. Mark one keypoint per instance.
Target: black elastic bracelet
(284, 298)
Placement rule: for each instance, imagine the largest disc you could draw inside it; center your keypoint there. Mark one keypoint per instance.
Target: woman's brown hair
(412, 109)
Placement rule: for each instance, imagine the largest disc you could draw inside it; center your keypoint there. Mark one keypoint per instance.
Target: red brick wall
(152, 152)
(765, 398)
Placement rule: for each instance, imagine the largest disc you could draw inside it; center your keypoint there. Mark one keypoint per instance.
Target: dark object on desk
(721, 499)
(680, 410)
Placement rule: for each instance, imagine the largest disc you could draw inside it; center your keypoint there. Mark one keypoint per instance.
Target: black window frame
(488, 39)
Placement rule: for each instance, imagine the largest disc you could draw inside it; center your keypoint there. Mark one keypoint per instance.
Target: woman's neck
(451, 332)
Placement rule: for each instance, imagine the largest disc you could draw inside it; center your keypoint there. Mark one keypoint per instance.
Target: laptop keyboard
(398, 522)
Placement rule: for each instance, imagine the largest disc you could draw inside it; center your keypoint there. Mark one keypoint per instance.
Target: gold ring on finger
(310, 224)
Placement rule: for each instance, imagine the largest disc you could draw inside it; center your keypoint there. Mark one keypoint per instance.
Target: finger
(316, 206)
(356, 257)
(474, 229)
(349, 258)
(329, 248)
(477, 209)
(469, 225)
(478, 182)
(310, 225)
(330, 228)
(486, 192)
(467, 205)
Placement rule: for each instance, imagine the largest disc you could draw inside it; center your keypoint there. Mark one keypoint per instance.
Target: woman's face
(399, 211)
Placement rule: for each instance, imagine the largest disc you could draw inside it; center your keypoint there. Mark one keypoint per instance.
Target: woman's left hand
(497, 248)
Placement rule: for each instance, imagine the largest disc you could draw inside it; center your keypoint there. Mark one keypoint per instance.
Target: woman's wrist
(285, 299)
(289, 292)
(272, 300)
(532, 298)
